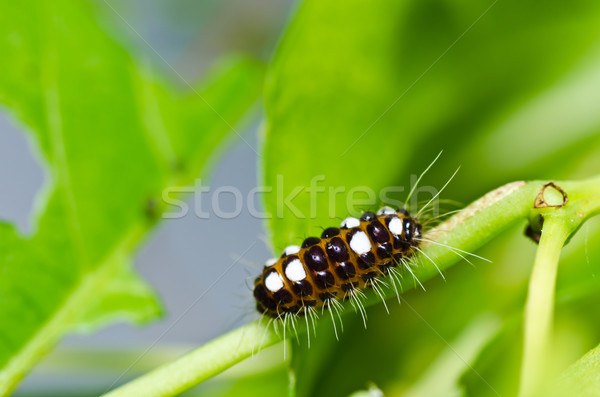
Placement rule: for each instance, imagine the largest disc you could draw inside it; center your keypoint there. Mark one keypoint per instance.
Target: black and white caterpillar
(338, 265)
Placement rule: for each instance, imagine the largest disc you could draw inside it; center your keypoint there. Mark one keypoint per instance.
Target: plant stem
(539, 308)
(201, 364)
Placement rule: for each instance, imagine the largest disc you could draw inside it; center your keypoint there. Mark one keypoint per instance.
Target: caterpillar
(338, 265)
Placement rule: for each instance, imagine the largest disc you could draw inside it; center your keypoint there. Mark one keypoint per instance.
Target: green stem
(559, 223)
(201, 364)
(539, 308)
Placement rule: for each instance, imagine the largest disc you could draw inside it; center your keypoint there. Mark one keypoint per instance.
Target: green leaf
(125, 296)
(581, 379)
(365, 94)
(334, 74)
(112, 136)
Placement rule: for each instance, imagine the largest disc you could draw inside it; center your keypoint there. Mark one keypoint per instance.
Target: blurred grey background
(183, 257)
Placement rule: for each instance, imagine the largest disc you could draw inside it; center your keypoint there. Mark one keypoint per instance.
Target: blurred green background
(365, 94)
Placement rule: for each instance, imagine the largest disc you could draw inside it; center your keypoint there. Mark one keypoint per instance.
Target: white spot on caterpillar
(349, 223)
(291, 250)
(395, 226)
(386, 211)
(273, 282)
(271, 262)
(360, 243)
(294, 271)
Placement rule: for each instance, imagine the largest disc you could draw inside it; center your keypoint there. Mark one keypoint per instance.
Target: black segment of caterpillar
(339, 264)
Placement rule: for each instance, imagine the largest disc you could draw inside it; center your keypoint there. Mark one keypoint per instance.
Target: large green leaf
(113, 137)
(365, 94)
